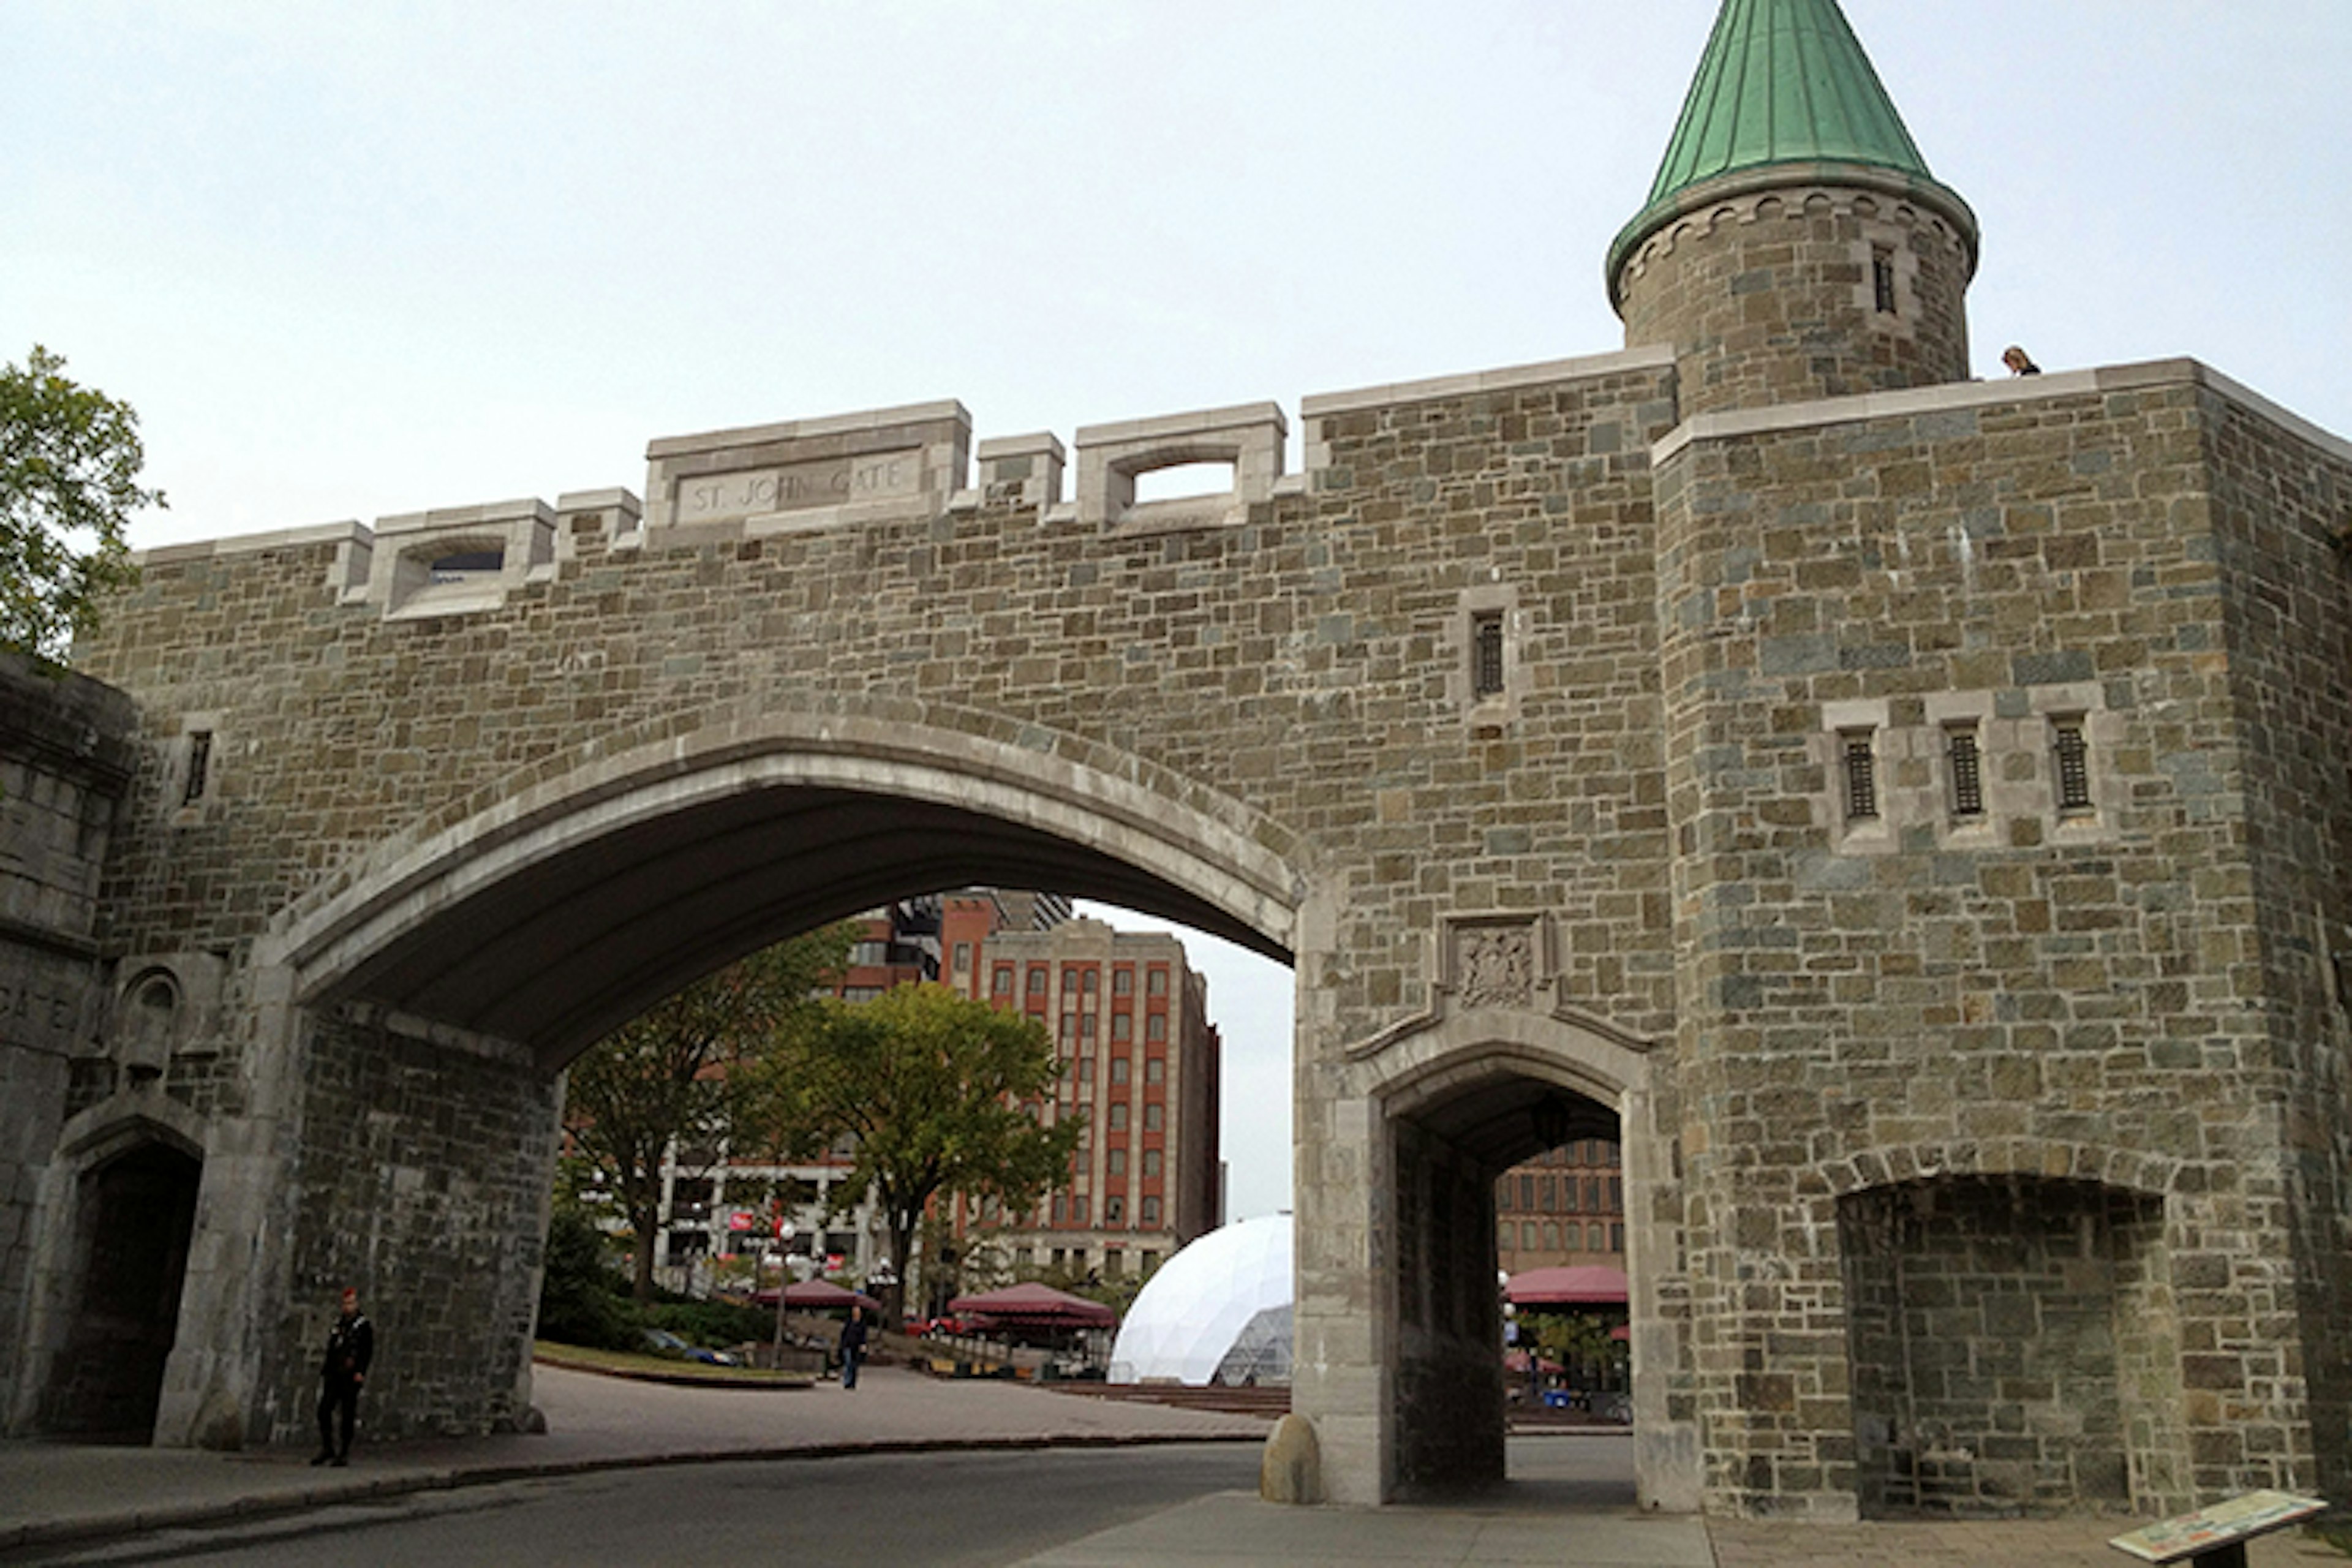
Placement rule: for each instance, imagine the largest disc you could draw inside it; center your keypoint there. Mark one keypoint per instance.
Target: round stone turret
(1794, 246)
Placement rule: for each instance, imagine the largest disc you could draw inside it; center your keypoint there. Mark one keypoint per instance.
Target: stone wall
(2282, 520)
(423, 1180)
(2035, 987)
(65, 760)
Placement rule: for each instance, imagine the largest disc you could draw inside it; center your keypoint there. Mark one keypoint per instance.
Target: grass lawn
(632, 1363)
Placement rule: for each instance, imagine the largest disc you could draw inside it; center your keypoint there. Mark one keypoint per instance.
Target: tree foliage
(695, 1071)
(69, 462)
(935, 1086)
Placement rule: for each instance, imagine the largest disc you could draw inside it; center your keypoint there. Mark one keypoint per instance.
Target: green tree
(69, 462)
(936, 1087)
(695, 1072)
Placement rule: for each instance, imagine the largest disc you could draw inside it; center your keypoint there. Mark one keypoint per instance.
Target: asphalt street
(951, 1509)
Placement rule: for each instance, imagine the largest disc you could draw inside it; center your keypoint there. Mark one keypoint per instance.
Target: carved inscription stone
(1497, 967)
(797, 487)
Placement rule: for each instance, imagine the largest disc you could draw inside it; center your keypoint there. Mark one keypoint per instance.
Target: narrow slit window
(1968, 771)
(200, 766)
(1861, 775)
(2072, 752)
(1881, 277)
(1487, 654)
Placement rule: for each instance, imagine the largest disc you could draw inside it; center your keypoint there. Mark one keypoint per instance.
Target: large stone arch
(874, 804)
(417, 1002)
(1444, 1102)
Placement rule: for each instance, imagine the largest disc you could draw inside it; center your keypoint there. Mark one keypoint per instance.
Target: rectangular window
(1527, 1192)
(1156, 1027)
(1150, 1217)
(1087, 981)
(1122, 1027)
(1061, 1208)
(1037, 981)
(1881, 277)
(1155, 1069)
(1551, 1236)
(1152, 1162)
(1122, 983)
(200, 766)
(1078, 1209)
(1117, 1165)
(1069, 1026)
(1592, 1195)
(1486, 653)
(1503, 1194)
(1119, 1070)
(1118, 1116)
(1003, 984)
(1616, 1238)
(1966, 763)
(1155, 1118)
(1596, 1235)
(1086, 1071)
(963, 958)
(1069, 980)
(1616, 1194)
(1527, 1235)
(1568, 1194)
(1156, 983)
(1861, 774)
(1506, 1235)
(2072, 751)
(1547, 1194)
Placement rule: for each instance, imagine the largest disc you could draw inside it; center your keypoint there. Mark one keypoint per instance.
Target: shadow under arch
(1462, 1094)
(552, 913)
(120, 1218)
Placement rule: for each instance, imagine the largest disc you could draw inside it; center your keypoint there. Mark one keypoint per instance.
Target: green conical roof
(1782, 82)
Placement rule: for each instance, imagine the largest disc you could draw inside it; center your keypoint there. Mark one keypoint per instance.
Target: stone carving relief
(1496, 966)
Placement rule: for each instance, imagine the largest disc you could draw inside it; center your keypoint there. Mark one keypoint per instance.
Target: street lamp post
(785, 1231)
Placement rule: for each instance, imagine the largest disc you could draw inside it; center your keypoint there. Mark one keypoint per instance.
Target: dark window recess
(2074, 756)
(1487, 654)
(1861, 779)
(467, 564)
(1967, 772)
(200, 766)
(1881, 277)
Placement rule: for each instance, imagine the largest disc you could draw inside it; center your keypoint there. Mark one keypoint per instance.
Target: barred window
(1967, 770)
(200, 766)
(1861, 775)
(1881, 277)
(2072, 753)
(1486, 653)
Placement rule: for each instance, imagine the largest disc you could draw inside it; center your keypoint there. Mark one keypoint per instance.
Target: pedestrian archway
(134, 1212)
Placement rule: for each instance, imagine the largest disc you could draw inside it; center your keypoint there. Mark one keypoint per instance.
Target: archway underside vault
(549, 920)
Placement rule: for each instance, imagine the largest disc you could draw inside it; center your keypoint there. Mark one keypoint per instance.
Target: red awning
(1587, 1285)
(817, 1295)
(1039, 1304)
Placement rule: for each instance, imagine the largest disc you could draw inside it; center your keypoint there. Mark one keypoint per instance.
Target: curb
(40, 1532)
(679, 1378)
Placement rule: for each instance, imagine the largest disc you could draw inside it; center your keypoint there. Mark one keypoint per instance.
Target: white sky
(355, 259)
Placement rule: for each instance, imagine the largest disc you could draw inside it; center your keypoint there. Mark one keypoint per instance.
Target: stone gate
(1915, 815)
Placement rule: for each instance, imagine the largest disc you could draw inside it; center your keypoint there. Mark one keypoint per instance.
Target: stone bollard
(1292, 1469)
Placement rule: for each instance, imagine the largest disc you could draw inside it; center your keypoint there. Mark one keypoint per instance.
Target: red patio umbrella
(1036, 1306)
(1587, 1285)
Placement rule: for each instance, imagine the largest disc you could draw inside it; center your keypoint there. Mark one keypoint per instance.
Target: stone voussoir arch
(1435, 1057)
(2127, 1170)
(1190, 835)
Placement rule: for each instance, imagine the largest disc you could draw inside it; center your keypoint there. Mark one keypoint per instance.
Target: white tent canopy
(1218, 1311)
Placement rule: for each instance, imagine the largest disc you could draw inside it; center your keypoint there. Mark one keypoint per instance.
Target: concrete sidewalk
(1571, 1498)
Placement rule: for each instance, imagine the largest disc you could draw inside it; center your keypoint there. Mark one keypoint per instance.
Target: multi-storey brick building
(1565, 1206)
(1129, 1019)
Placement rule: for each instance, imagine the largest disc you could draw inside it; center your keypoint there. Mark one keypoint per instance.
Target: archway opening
(2010, 1339)
(1507, 1151)
(134, 1216)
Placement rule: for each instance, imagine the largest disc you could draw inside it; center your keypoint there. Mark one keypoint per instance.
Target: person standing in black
(853, 1346)
(350, 1345)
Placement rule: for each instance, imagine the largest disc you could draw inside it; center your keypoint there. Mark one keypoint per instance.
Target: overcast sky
(349, 260)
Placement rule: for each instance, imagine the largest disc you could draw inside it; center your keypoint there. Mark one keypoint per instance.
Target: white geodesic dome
(1218, 1311)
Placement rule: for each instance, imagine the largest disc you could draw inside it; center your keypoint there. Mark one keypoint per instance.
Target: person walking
(853, 1346)
(351, 1346)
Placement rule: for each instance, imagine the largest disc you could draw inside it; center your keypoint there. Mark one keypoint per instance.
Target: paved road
(950, 1509)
